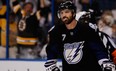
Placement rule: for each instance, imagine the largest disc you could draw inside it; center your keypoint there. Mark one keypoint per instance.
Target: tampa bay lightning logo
(73, 52)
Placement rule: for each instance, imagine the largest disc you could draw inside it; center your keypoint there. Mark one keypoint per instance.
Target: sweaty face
(66, 16)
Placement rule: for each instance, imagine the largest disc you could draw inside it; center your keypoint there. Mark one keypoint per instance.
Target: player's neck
(72, 25)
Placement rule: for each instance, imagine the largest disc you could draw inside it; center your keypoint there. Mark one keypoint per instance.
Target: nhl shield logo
(73, 52)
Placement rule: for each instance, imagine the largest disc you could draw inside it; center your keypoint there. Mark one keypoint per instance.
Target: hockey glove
(85, 18)
(51, 65)
(108, 66)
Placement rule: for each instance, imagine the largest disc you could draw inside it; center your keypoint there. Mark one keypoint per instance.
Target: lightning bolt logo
(75, 54)
(77, 50)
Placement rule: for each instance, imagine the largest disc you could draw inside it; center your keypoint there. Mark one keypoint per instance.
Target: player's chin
(66, 22)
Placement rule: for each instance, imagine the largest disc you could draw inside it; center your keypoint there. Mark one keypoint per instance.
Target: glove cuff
(102, 60)
(108, 66)
(50, 62)
(51, 65)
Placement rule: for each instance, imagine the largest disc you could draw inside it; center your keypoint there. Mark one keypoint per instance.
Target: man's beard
(67, 20)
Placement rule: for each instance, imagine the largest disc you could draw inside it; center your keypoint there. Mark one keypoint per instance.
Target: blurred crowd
(43, 9)
(105, 14)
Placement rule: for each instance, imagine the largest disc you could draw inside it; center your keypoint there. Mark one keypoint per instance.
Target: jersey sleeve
(98, 48)
(52, 47)
(16, 6)
(94, 41)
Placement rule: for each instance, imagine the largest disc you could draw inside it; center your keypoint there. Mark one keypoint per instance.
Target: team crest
(22, 25)
(73, 52)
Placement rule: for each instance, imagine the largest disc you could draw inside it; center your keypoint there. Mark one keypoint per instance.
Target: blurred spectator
(35, 19)
(12, 36)
(29, 33)
(104, 28)
(45, 22)
(105, 23)
(3, 24)
(34, 2)
(2, 28)
(46, 16)
(108, 17)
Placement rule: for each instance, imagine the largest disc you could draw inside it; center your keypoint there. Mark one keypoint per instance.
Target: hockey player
(76, 43)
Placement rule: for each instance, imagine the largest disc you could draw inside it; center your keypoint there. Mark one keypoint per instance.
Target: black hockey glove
(108, 66)
(51, 66)
(88, 17)
(85, 18)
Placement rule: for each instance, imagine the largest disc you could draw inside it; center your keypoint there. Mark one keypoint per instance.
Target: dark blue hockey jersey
(80, 48)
